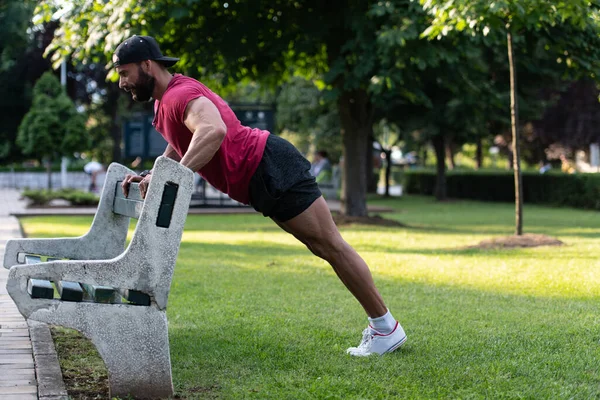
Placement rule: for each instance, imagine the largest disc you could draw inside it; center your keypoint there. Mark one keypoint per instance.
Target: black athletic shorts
(282, 186)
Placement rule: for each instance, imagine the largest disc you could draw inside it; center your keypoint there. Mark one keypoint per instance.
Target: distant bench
(115, 296)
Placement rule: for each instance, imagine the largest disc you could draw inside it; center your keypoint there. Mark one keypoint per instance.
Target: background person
(93, 168)
(321, 167)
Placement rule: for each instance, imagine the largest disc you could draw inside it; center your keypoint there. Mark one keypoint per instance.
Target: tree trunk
(372, 178)
(388, 171)
(440, 182)
(514, 119)
(479, 154)
(424, 156)
(450, 154)
(357, 127)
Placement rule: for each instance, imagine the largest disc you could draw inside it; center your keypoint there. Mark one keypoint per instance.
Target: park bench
(115, 296)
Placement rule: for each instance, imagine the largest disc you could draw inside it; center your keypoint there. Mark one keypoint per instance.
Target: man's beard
(143, 87)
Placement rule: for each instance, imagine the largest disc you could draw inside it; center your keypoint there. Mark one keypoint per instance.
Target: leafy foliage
(571, 27)
(303, 110)
(52, 127)
(226, 42)
(21, 64)
(574, 120)
(527, 15)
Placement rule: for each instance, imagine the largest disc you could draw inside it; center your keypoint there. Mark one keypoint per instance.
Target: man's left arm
(203, 119)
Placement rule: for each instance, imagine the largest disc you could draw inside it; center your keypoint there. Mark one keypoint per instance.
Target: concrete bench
(115, 296)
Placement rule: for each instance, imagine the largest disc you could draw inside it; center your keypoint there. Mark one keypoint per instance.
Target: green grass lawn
(252, 314)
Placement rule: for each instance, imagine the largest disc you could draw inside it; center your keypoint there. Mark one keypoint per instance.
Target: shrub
(39, 197)
(80, 198)
(75, 197)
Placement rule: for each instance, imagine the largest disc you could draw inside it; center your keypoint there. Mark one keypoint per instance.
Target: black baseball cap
(140, 48)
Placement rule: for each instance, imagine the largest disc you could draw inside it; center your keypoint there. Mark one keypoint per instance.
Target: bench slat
(69, 291)
(135, 297)
(101, 294)
(40, 289)
(31, 259)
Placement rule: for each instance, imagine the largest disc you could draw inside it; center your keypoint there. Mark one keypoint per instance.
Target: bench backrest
(146, 266)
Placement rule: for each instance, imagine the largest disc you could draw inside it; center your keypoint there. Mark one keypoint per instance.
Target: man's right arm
(171, 153)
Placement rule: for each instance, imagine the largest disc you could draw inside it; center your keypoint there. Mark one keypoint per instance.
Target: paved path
(17, 369)
(28, 364)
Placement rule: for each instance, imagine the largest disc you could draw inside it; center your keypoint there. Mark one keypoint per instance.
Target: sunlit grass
(252, 314)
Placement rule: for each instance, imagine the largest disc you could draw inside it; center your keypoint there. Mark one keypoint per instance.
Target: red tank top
(240, 153)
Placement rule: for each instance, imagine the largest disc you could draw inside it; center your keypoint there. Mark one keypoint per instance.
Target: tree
(53, 127)
(574, 120)
(515, 18)
(21, 64)
(264, 40)
(303, 111)
(436, 89)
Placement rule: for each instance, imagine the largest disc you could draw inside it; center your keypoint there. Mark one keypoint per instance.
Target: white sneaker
(374, 342)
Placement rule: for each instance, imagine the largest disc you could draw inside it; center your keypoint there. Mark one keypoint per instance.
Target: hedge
(577, 190)
(42, 197)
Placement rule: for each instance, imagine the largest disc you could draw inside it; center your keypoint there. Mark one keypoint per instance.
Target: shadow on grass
(477, 229)
(485, 226)
(224, 251)
(241, 252)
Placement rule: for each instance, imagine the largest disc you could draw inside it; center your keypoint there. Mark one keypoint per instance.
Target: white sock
(384, 324)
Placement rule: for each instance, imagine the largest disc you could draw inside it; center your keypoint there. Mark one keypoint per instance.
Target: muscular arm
(171, 153)
(203, 119)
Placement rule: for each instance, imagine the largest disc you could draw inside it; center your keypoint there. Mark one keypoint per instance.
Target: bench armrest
(73, 247)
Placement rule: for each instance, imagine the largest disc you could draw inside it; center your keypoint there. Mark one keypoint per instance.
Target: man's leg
(283, 189)
(315, 228)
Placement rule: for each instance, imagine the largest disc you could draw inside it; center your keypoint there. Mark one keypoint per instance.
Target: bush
(578, 190)
(80, 198)
(75, 197)
(39, 197)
